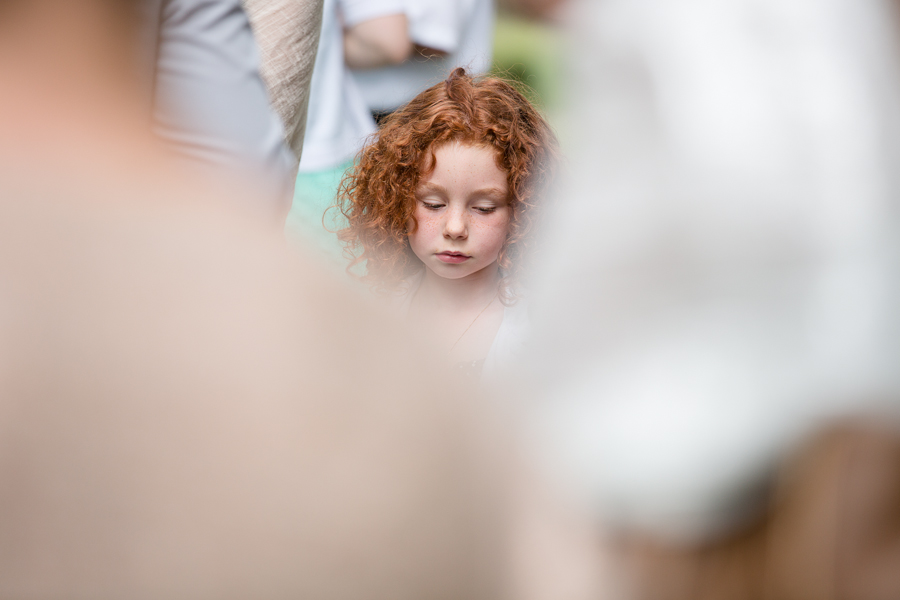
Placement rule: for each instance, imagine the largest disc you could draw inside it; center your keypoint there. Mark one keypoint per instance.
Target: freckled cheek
(427, 232)
(492, 235)
(428, 224)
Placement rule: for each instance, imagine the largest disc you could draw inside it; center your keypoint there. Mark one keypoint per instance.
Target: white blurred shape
(721, 276)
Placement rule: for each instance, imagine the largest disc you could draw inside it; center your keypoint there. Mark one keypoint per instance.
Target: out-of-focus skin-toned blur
(186, 409)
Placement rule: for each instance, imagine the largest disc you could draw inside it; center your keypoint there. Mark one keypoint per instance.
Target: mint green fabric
(314, 194)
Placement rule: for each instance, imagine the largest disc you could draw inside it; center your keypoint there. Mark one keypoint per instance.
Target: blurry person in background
(287, 32)
(442, 209)
(716, 319)
(338, 121)
(201, 67)
(544, 10)
(446, 34)
(378, 41)
(176, 415)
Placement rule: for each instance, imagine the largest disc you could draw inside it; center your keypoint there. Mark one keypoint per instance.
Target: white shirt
(338, 120)
(509, 342)
(464, 29)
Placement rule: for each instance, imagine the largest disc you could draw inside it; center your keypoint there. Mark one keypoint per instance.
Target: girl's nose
(455, 226)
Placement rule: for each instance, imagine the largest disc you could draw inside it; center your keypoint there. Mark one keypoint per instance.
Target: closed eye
(432, 205)
(485, 210)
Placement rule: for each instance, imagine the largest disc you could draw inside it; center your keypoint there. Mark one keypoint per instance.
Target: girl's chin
(463, 271)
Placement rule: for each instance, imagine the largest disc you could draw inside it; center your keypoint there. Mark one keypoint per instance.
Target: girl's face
(462, 211)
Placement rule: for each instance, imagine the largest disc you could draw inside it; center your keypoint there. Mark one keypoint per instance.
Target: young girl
(441, 208)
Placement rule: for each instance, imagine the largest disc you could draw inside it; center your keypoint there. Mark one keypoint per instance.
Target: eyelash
(485, 210)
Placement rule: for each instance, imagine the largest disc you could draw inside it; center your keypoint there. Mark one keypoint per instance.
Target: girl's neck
(470, 292)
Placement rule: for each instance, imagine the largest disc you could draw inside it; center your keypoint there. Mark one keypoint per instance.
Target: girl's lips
(453, 258)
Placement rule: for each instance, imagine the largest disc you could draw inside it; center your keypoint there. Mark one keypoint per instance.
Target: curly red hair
(378, 195)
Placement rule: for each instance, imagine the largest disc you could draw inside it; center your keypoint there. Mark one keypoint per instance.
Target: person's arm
(378, 42)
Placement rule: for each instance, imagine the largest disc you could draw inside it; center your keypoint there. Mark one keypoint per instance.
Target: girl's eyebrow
(429, 187)
(490, 192)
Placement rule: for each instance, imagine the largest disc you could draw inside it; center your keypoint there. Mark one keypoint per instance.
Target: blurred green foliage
(531, 53)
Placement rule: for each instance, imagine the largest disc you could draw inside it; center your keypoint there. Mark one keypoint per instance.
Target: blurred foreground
(709, 409)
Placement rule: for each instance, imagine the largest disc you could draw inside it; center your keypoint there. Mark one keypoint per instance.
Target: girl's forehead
(429, 158)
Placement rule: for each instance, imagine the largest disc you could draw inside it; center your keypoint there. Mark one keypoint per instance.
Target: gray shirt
(209, 101)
